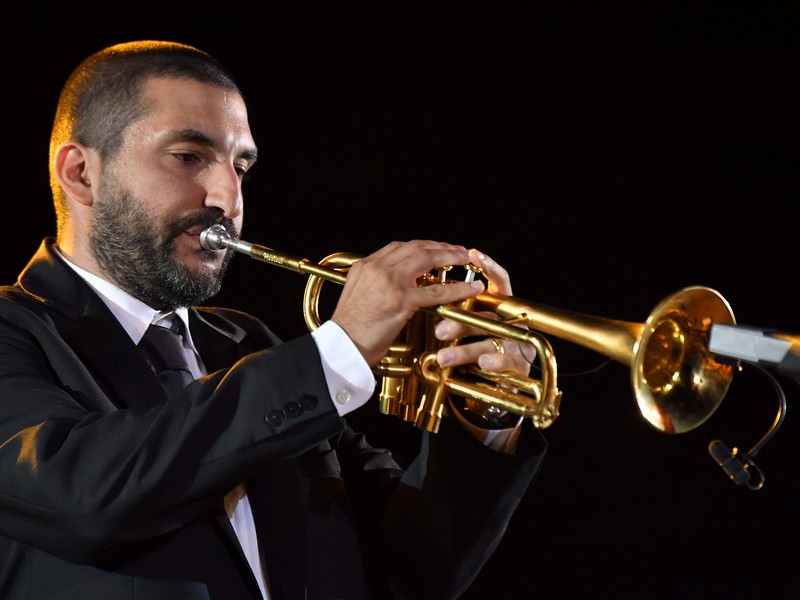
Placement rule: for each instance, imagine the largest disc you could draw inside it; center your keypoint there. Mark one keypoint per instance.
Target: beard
(138, 253)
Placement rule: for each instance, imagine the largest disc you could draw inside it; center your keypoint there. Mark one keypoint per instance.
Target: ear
(74, 164)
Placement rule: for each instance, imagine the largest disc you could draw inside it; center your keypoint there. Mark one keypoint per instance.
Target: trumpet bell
(677, 382)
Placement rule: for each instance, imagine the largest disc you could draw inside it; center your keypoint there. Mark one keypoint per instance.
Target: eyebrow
(198, 137)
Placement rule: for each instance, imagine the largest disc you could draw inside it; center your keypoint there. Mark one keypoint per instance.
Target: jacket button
(308, 402)
(275, 417)
(292, 409)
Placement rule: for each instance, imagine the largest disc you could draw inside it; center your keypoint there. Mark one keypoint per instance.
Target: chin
(198, 262)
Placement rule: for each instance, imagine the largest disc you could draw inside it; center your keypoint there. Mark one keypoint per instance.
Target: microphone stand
(756, 347)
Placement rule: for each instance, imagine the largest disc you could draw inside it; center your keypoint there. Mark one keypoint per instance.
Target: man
(245, 482)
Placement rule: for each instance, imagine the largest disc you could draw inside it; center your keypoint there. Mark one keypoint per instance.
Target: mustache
(203, 218)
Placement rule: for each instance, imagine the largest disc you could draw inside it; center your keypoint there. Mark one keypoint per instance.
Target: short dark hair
(103, 95)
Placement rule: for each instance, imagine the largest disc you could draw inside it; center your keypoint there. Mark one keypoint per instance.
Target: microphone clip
(740, 467)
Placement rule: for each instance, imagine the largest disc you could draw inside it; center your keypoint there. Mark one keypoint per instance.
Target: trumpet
(676, 381)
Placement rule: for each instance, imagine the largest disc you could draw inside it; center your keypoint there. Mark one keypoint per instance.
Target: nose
(224, 190)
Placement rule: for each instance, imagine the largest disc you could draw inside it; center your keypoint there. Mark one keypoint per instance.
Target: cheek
(170, 197)
(166, 186)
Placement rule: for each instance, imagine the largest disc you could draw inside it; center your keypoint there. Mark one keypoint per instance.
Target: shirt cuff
(350, 380)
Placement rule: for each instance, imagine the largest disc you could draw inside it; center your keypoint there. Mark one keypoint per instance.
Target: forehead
(183, 104)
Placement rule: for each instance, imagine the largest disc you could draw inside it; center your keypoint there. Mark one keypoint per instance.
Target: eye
(187, 158)
(244, 173)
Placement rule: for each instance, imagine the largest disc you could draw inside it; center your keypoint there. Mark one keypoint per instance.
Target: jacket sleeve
(432, 526)
(80, 474)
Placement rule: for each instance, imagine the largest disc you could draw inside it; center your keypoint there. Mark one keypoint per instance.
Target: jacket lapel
(217, 340)
(91, 337)
(84, 322)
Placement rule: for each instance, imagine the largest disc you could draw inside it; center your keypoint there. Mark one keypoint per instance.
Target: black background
(607, 155)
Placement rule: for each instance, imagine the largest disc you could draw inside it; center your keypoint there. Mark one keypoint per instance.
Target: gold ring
(497, 345)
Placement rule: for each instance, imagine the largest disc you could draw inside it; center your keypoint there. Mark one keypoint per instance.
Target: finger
(448, 330)
(504, 362)
(454, 356)
(434, 295)
(497, 277)
(421, 256)
(400, 264)
(487, 355)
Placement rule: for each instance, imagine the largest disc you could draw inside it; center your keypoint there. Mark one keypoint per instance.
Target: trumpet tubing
(676, 381)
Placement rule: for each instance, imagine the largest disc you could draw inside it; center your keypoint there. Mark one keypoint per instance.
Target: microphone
(733, 467)
(773, 349)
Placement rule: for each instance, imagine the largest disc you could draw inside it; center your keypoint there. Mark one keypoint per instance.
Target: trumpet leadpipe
(217, 237)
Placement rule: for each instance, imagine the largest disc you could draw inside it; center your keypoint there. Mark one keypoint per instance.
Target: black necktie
(164, 350)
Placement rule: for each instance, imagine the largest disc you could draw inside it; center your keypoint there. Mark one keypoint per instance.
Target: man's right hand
(381, 293)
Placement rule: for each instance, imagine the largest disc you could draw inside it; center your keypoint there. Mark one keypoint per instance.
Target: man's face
(178, 171)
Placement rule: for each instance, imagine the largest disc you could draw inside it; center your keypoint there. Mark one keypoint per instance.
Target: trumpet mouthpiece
(214, 238)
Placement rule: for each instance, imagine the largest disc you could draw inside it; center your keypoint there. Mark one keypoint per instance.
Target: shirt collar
(134, 315)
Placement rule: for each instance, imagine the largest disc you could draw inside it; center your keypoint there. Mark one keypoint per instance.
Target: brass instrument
(677, 382)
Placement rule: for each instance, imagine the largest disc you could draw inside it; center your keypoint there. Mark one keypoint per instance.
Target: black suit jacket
(111, 490)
